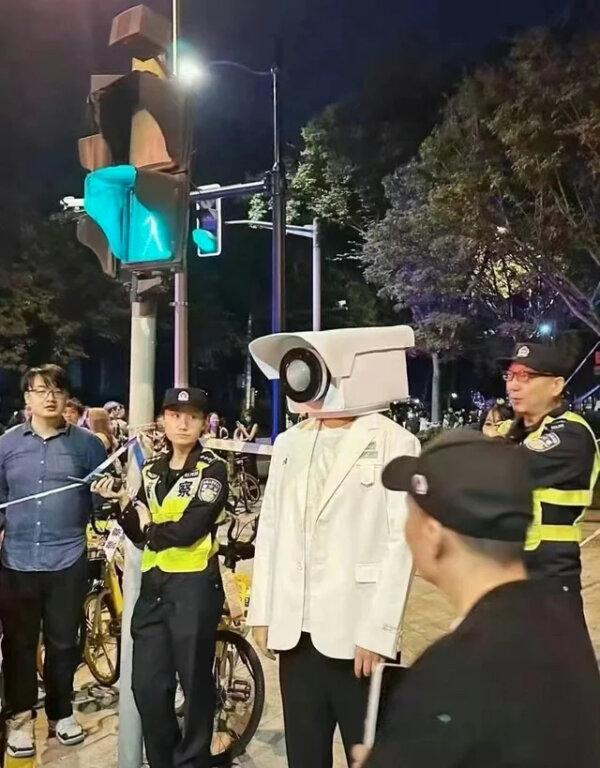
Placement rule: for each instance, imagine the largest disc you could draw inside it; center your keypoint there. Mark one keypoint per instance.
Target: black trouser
(319, 693)
(174, 627)
(30, 600)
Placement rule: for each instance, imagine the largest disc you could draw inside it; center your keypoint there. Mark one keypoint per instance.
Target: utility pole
(248, 376)
(316, 275)
(141, 411)
(278, 254)
(180, 290)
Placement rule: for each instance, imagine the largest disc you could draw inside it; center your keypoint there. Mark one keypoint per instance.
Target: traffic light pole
(141, 411)
(180, 297)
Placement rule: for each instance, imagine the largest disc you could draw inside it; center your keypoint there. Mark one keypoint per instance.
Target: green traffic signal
(142, 214)
(206, 242)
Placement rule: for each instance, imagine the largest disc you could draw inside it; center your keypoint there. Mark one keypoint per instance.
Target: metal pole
(180, 298)
(278, 252)
(248, 377)
(141, 411)
(316, 276)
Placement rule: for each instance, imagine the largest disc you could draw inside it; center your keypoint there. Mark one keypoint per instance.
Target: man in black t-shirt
(516, 684)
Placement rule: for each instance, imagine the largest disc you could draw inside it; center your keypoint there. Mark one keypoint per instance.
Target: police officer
(516, 683)
(175, 619)
(564, 460)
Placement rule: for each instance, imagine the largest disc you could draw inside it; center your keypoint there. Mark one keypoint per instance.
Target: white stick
(100, 468)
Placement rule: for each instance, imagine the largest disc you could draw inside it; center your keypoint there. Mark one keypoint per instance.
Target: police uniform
(516, 683)
(564, 461)
(181, 599)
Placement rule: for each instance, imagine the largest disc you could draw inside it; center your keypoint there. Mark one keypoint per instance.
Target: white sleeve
(380, 630)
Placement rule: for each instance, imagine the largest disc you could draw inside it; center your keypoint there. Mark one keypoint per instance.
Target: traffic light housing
(136, 197)
(207, 235)
(141, 214)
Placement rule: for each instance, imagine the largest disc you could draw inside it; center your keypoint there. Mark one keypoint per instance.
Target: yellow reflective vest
(565, 463)
(186, 490)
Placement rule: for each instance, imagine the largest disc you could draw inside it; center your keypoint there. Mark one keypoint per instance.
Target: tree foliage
(513, 168)
(54, 298)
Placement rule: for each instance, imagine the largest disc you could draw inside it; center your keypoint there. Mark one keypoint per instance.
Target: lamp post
(191, 70)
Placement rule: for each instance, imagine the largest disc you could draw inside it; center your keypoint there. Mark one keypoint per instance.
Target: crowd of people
(44, 573)
(351, 506)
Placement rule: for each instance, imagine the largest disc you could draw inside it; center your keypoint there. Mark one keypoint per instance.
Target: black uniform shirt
(516, 685)
(563, 458)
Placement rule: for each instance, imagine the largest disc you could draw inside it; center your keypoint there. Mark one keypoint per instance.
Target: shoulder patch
(209, 490)
(543, 443)
(208, 457)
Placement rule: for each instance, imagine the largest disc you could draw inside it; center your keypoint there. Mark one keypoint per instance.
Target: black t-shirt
(516, 685)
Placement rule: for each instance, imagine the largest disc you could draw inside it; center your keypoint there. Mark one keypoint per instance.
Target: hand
(365, 662)
(104, 487)
(260, 635)
(144, 515)
(360, 753)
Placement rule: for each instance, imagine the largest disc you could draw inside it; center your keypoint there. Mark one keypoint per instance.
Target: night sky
(330, 46)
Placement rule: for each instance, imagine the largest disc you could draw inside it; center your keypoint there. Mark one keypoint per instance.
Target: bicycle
(103, 613)
(237, 670)
(244, 488)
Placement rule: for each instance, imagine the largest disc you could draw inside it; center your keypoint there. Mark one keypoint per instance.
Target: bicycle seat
(237, 550)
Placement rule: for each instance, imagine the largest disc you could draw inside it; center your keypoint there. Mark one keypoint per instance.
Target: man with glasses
(564, 461)
(43, 579)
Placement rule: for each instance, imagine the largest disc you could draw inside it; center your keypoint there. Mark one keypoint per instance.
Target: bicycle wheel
(102, 647)
(240, 684)
(252, 490)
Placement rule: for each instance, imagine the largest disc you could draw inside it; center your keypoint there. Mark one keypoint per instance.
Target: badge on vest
(370, 453)
(543, 442)
(209, 490)
(184, 489)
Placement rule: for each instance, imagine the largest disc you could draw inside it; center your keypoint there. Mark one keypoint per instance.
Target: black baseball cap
(192, 396)
(477, 486)
(542, 358)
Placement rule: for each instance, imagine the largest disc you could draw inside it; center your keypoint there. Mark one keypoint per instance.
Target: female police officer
(181, 599)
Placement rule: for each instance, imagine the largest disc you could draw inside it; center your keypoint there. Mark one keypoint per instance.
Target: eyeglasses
(45, 393)
(525, 376)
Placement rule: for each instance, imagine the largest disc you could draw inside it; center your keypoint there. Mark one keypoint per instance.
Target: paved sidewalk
(428, 617)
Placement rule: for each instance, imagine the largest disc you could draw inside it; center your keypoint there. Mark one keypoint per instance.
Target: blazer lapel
(349, 451)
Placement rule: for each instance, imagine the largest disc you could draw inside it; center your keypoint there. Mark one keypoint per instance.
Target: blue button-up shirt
(46, 534)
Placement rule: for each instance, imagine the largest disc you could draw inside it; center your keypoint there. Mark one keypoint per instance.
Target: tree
(456, 296)
(513, 166)
(54, 298)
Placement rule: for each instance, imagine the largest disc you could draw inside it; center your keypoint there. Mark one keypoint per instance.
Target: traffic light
(136, 196)
(207, 233)
(142, 214)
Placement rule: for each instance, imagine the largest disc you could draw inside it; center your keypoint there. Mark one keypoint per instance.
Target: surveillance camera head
(333, 374)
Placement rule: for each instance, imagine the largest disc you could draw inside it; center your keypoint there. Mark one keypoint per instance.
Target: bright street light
(191, 71)
(545, 329)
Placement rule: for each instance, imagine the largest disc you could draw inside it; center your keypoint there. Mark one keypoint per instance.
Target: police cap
(178, 396)
(477, 486)
(542, 358)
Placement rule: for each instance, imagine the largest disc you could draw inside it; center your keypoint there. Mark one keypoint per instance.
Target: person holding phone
(174, 518)
(516, 683)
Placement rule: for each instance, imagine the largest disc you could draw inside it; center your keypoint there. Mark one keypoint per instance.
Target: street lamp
(193, 71)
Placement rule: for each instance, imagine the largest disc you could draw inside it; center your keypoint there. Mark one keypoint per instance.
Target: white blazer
(360, 564)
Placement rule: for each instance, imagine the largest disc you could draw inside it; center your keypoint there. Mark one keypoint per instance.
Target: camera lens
(304, 376)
